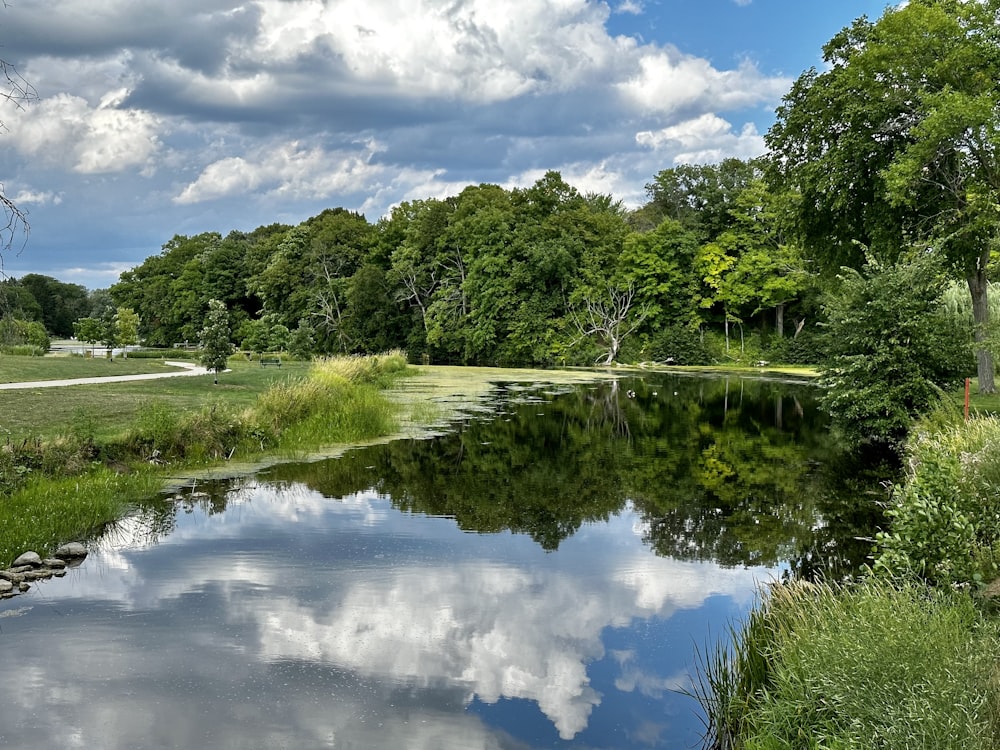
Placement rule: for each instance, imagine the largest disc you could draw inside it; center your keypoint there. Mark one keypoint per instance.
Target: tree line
(882, 176)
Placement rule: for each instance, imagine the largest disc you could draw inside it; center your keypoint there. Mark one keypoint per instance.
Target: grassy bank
(885, 663)
(908, 657)
(108, 409)
(83, 474)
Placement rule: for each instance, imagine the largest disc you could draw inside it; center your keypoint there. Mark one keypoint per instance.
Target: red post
(968, 382)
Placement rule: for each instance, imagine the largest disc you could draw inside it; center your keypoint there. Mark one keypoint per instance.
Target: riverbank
(909, 655)
(71, 483)
(67, 480)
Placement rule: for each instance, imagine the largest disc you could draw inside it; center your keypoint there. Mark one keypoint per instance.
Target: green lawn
(22, 369)
(108, 409)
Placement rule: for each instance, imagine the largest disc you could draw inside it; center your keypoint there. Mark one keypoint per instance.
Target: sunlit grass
(47, 512)
(888, 664)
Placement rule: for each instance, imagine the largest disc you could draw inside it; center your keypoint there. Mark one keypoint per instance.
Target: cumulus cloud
(286, 169)
(67, 130)
(703, 140)
(668, 81)
(293, 104)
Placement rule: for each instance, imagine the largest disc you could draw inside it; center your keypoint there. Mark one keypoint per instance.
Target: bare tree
(15, 219)
(610, 318)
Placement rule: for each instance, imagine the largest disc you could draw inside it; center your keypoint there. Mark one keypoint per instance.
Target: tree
(89, 330)
(215, 344)
(61, 303)
(892, 348)
(611, 318)
(898, 143)
(126, 327)
(15, 220)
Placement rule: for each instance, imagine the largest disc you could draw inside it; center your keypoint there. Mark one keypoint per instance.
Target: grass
(882, 663)
(14, 369)
(45, 513)
(89, 470)
(107, 409)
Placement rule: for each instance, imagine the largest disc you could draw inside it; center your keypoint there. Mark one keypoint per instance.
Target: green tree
(215, 343)
(302, 341)
(61, 303)
(126, 327)
(892, 349)
(897, 142)
(89, 330)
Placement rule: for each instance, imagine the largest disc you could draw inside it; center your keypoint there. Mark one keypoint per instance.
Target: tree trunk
(981, 316)
(779, 320)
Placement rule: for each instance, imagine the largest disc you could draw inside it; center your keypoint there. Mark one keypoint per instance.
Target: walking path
(187, 368)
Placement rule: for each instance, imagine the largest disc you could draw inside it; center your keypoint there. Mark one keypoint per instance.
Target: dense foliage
(539, 275)
(892, 347)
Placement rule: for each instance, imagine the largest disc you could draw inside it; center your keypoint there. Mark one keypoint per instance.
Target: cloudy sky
(156, 119)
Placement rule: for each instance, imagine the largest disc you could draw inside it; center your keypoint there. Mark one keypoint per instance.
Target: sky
(158, 119)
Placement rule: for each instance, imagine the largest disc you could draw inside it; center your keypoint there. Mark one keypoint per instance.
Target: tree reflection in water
(742, 472)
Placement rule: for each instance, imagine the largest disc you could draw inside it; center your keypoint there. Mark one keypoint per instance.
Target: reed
(46, 512)
(880, 663)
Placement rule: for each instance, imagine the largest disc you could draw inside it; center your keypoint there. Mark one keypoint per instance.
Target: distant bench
(273, 361)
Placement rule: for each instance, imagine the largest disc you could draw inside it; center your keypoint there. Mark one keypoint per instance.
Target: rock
(70, 551)
(6, 587)
(54, 563)
(28, 558)
(23, 586)
(10, 575)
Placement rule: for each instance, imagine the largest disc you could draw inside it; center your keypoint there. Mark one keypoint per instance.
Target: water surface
(537, 578)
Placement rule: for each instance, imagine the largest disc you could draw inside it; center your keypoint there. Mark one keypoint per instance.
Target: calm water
(537, 578)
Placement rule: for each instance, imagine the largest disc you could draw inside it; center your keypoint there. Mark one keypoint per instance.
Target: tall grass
(879, 664)
(46, 512)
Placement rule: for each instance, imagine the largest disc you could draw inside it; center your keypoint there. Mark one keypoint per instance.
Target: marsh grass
(46, 512)
(881, 663)
(946, 513)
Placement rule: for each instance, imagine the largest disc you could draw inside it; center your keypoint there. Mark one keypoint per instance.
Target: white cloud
(66, 130)
(289, 170)
(630, 7)
(668, 81)
(703, 140)
(42, 198)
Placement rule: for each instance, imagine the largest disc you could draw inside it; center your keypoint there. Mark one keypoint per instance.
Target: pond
(542, 575)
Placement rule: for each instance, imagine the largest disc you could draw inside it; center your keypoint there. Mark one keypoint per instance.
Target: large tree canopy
(896, 143)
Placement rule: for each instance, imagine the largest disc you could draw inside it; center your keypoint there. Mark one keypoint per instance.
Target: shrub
(808, 348)
(891, 350)
(681, 345)
(946, 513)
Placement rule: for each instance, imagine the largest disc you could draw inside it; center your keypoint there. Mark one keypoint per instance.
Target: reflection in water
(342, 603)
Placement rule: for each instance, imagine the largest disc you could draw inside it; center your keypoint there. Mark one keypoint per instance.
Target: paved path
(187, 368)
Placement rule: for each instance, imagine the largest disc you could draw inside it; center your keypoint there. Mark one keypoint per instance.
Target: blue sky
(156, 119)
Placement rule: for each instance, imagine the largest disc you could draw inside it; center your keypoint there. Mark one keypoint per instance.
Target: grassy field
(107, 408)
(25, 369)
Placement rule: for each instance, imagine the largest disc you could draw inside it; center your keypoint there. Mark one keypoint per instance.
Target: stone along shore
(31, 567)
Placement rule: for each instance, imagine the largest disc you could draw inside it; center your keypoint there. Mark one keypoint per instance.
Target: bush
(808, 348)
(23, 350)
(892, 349)
(946, 513)
(680, 345)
